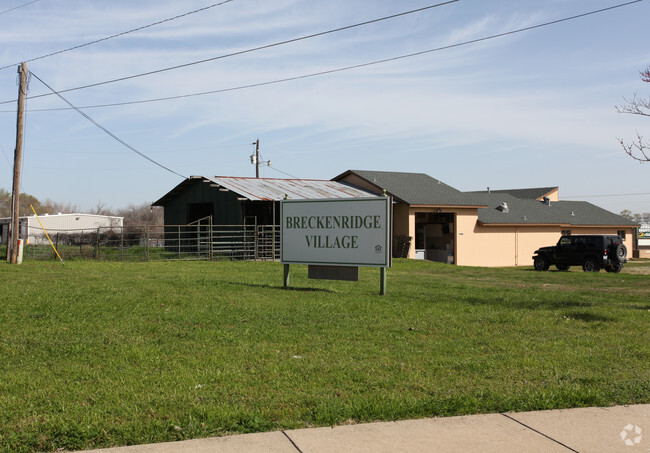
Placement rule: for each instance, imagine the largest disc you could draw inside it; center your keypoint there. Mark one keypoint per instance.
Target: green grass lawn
(97, 354)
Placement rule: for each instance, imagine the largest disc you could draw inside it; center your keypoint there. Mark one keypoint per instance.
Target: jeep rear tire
(620, 253)
(541, 263)
(590, 265)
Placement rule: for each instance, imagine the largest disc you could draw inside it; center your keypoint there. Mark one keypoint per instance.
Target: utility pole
(257, 158)
(18, 158)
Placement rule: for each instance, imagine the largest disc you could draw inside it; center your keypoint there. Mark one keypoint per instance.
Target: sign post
(286, 276)
(332, 234)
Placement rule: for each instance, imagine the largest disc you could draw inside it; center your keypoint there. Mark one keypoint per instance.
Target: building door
(434, 236)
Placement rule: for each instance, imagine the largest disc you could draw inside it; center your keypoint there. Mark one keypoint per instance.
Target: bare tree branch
(635, 106)
(645, 75)
(638, 149)
(639, 146)
(101, 208)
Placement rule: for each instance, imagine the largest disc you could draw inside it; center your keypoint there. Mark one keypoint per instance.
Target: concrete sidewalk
(610, 429)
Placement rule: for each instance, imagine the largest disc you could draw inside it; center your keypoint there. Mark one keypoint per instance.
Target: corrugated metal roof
(269, 189)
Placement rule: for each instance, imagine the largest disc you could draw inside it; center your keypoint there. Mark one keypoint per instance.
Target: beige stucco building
(434, 221)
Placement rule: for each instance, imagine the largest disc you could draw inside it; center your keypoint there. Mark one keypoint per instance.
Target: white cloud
(508, 99)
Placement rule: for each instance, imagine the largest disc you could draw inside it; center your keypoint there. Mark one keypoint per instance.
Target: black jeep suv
(590, 252)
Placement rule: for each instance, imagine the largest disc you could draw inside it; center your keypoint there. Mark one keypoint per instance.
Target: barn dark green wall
(227, 209)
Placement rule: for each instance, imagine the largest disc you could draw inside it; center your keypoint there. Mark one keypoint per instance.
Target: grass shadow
(551, 270)
(307, 290)
(567, 303)
(588, 317)
(635, 307)
(282, 288)
(528, 304)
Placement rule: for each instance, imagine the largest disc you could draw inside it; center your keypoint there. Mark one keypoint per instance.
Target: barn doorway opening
(198, 211)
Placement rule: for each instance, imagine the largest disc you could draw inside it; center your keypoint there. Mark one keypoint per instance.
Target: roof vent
(503, 207)
(573, 213)
(547, 201)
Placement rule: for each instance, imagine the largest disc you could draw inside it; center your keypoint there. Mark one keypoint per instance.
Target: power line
(608, 195)
(283, 172)
(19, 6)
(5, 154)
(336, 70)
(120, 34)
(107, 131)
(267, 46)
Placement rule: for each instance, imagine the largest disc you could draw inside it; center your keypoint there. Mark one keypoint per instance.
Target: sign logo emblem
(631, 435)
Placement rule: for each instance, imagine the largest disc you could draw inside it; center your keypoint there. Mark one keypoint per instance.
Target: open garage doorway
(434, 236)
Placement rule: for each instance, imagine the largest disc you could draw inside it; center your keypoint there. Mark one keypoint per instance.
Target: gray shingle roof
(415, 188)
(527, 211)
(422, 189)
(532, 193)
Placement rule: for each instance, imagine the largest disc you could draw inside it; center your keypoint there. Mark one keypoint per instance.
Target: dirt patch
(643, 270)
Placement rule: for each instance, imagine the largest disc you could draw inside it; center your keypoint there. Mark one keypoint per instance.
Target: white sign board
(644, 230)
(337, 232)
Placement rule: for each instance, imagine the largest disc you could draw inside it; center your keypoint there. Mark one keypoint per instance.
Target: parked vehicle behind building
(592, 252)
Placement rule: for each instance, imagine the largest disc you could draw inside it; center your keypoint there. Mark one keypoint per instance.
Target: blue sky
(526, 110)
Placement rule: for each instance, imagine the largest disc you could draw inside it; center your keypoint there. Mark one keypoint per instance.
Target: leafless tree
(134, 214)
(101, 208)
(54, 207)
(141, 214)
(638, 148)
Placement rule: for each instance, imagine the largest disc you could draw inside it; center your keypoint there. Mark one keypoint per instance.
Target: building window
(566, 232)
(621, 233)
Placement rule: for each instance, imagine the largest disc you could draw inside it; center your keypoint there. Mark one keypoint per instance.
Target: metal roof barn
(239, 200)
